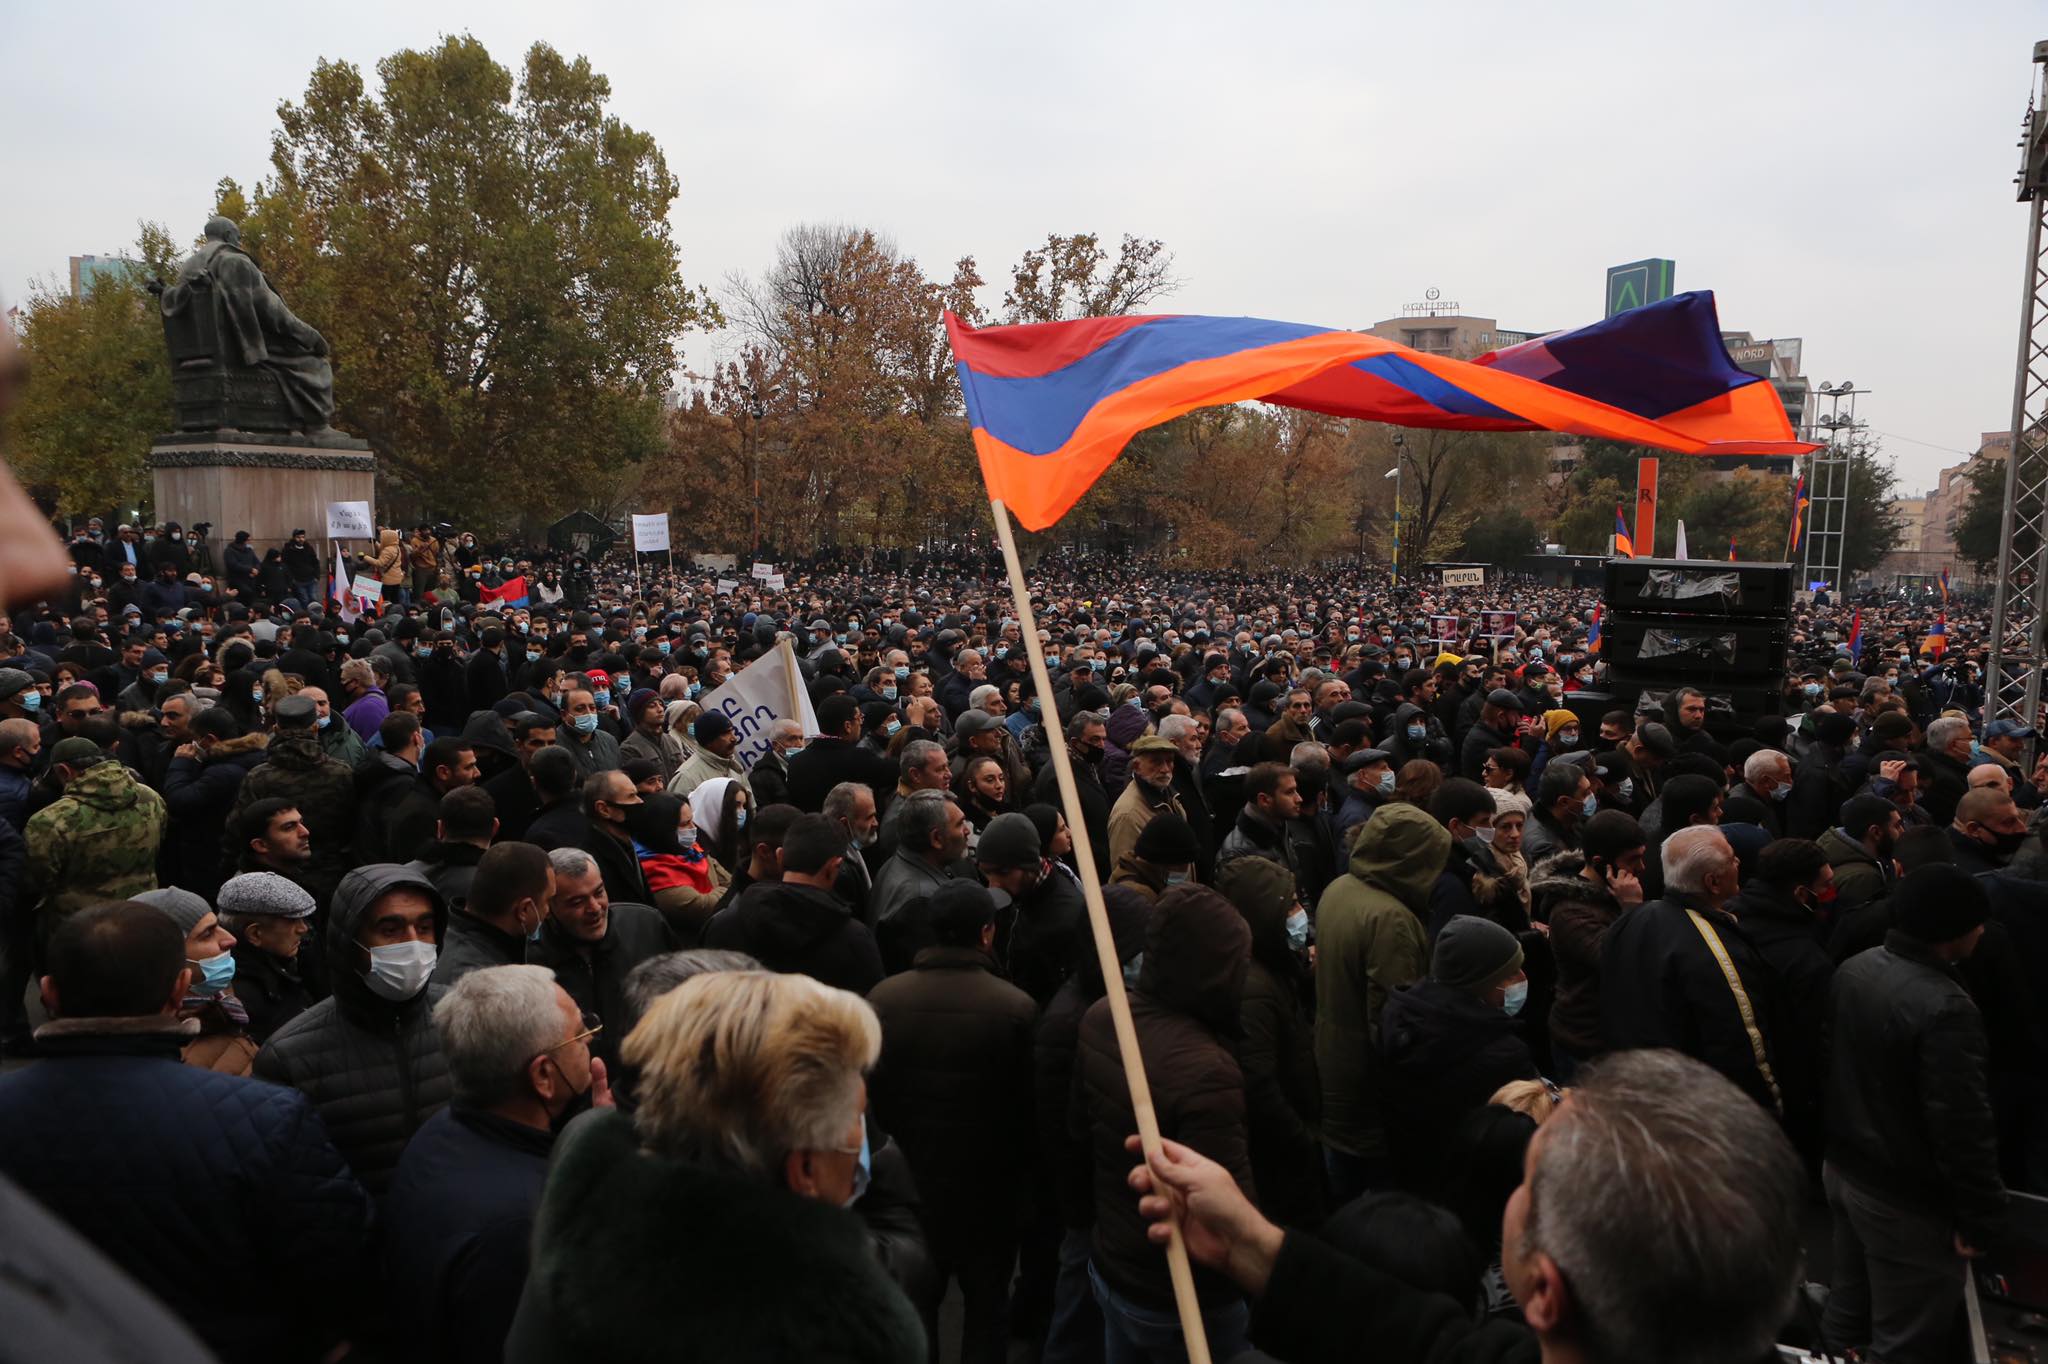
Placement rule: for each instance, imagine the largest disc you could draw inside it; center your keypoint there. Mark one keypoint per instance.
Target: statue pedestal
(268, 483)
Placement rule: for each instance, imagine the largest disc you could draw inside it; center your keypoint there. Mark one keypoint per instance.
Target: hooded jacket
(802, 930)
(1370, 941)
(1276, 1047)
(1185, 1008)
(98, 841)
(388, 563)
(1445, 1052)
(372, 1068)
(175, 1172)
(1859, 877)
(638, 1256)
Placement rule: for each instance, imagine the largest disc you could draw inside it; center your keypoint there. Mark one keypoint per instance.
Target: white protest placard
(763, 570)
(350, 521)
(367, 587)
(1464, 577)
(650, 532)
(727, 586)
(768, 689)
(773, 582)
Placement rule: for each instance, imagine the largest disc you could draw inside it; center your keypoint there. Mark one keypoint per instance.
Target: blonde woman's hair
(742, 1067)
(1533, 1099)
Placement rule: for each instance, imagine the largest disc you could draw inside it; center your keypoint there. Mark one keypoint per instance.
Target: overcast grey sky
(1839, 172)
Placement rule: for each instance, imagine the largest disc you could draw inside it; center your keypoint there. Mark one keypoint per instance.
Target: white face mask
(400, 970)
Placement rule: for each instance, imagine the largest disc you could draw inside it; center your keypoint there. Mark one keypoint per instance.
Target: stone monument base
(268, 483)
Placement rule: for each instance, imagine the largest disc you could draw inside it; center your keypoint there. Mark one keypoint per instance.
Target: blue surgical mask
(215, 974)
(584, 724)
(1812, 689)
(601, 696)
(338, 639)
(1782, 791)
(1418, 733)
(662, 645)
(159, 677)
(1176, 878)
(887, 693)
(1002, 654)
(1627, 788)
(1517, 996)
(739, 819)
(902, 672)
(1297, 929)
(1132, 969)
(892, 727)
(533, 655)
(1387, 781)
(696, 689)
(1592, 806)
(324, 721)
(31, 699)
(423, 650)
(687, 837)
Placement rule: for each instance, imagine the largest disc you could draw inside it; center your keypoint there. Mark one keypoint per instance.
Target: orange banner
(1646, 508)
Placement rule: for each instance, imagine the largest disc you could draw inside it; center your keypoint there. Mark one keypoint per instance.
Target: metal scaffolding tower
(2020, 608)
(1827, 490)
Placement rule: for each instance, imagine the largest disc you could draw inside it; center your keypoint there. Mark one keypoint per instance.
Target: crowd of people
(439, 979)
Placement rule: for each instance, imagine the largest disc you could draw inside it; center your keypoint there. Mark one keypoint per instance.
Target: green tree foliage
(100, 389)
(491, 263)
(1875, 525)
(1978, 527)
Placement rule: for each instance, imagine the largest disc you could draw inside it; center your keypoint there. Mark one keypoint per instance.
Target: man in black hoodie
(368, 1056)
(797, 924)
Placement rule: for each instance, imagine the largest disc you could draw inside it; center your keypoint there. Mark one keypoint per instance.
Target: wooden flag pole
(1195, 1340)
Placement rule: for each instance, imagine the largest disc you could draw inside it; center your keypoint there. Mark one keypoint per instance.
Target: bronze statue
(239, 357)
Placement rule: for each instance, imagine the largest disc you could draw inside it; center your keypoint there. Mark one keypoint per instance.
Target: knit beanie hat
(1939, 902)
(1009, 841)
(712, 725)
(1554, 720)
(182, 907)
(1167, 840)
(1473, 953)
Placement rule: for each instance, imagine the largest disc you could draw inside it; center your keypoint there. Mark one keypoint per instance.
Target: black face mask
(2005, 845)
(1600, 743)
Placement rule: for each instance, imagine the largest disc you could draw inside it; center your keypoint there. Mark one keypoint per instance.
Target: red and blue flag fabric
(510, 594)
(1052, 404)
(1798, 515)
(1856, 638)
(1937, 638)
(1944, 586)
(1593, 631)
(1731, 549)
(1624, 544)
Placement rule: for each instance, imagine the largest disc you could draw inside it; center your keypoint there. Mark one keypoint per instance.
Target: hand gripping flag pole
(1194, 1339)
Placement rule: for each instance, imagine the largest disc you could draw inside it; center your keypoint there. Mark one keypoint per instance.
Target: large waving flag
(510, 594)
(1798, 515)
(1052, 404)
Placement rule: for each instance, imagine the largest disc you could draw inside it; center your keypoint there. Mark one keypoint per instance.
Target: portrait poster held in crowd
(1052, 405)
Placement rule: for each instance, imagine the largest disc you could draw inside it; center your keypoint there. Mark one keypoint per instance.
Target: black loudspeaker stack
(1721, 627)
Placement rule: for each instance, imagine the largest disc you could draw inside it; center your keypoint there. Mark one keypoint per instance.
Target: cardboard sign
(773, 582)
(650, 532)
(763, 570)
(727, 586)
(350, 521)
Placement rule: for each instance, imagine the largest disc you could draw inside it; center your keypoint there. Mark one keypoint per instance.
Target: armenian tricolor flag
(1798, 515)
(1624, 547)
(1944, 590)
(1052, 404)
(1593, 631)
(1856, 638)
(1731, 549)
(1937, 638)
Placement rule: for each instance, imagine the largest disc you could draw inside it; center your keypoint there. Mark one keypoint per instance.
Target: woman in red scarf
(687, 885)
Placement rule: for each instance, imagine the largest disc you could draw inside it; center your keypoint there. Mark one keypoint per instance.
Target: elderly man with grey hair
(1767, 780)
(459, 1215)
(1947, 762)
(932, 837)
(768, 778)
(592, 943)
(1680, 971)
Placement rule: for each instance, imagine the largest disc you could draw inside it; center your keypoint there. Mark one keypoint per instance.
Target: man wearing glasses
(461, 1207)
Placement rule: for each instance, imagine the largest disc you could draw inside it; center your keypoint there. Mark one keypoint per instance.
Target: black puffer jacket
(1909, 1110)
(374, 1069)
(954, 1083)
(1445, 1051)
(470, 944)
(173, 1172)
(296, 769)
(383, 786)
(1579, 913)
(802, 930)
(199, 792)
(1185, 1009)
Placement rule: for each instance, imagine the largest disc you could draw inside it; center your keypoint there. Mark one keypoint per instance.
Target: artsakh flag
(1623, 545)
(1052, 404)
(510, 593)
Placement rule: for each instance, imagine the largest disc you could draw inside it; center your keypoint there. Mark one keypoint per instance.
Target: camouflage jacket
(96, 842)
